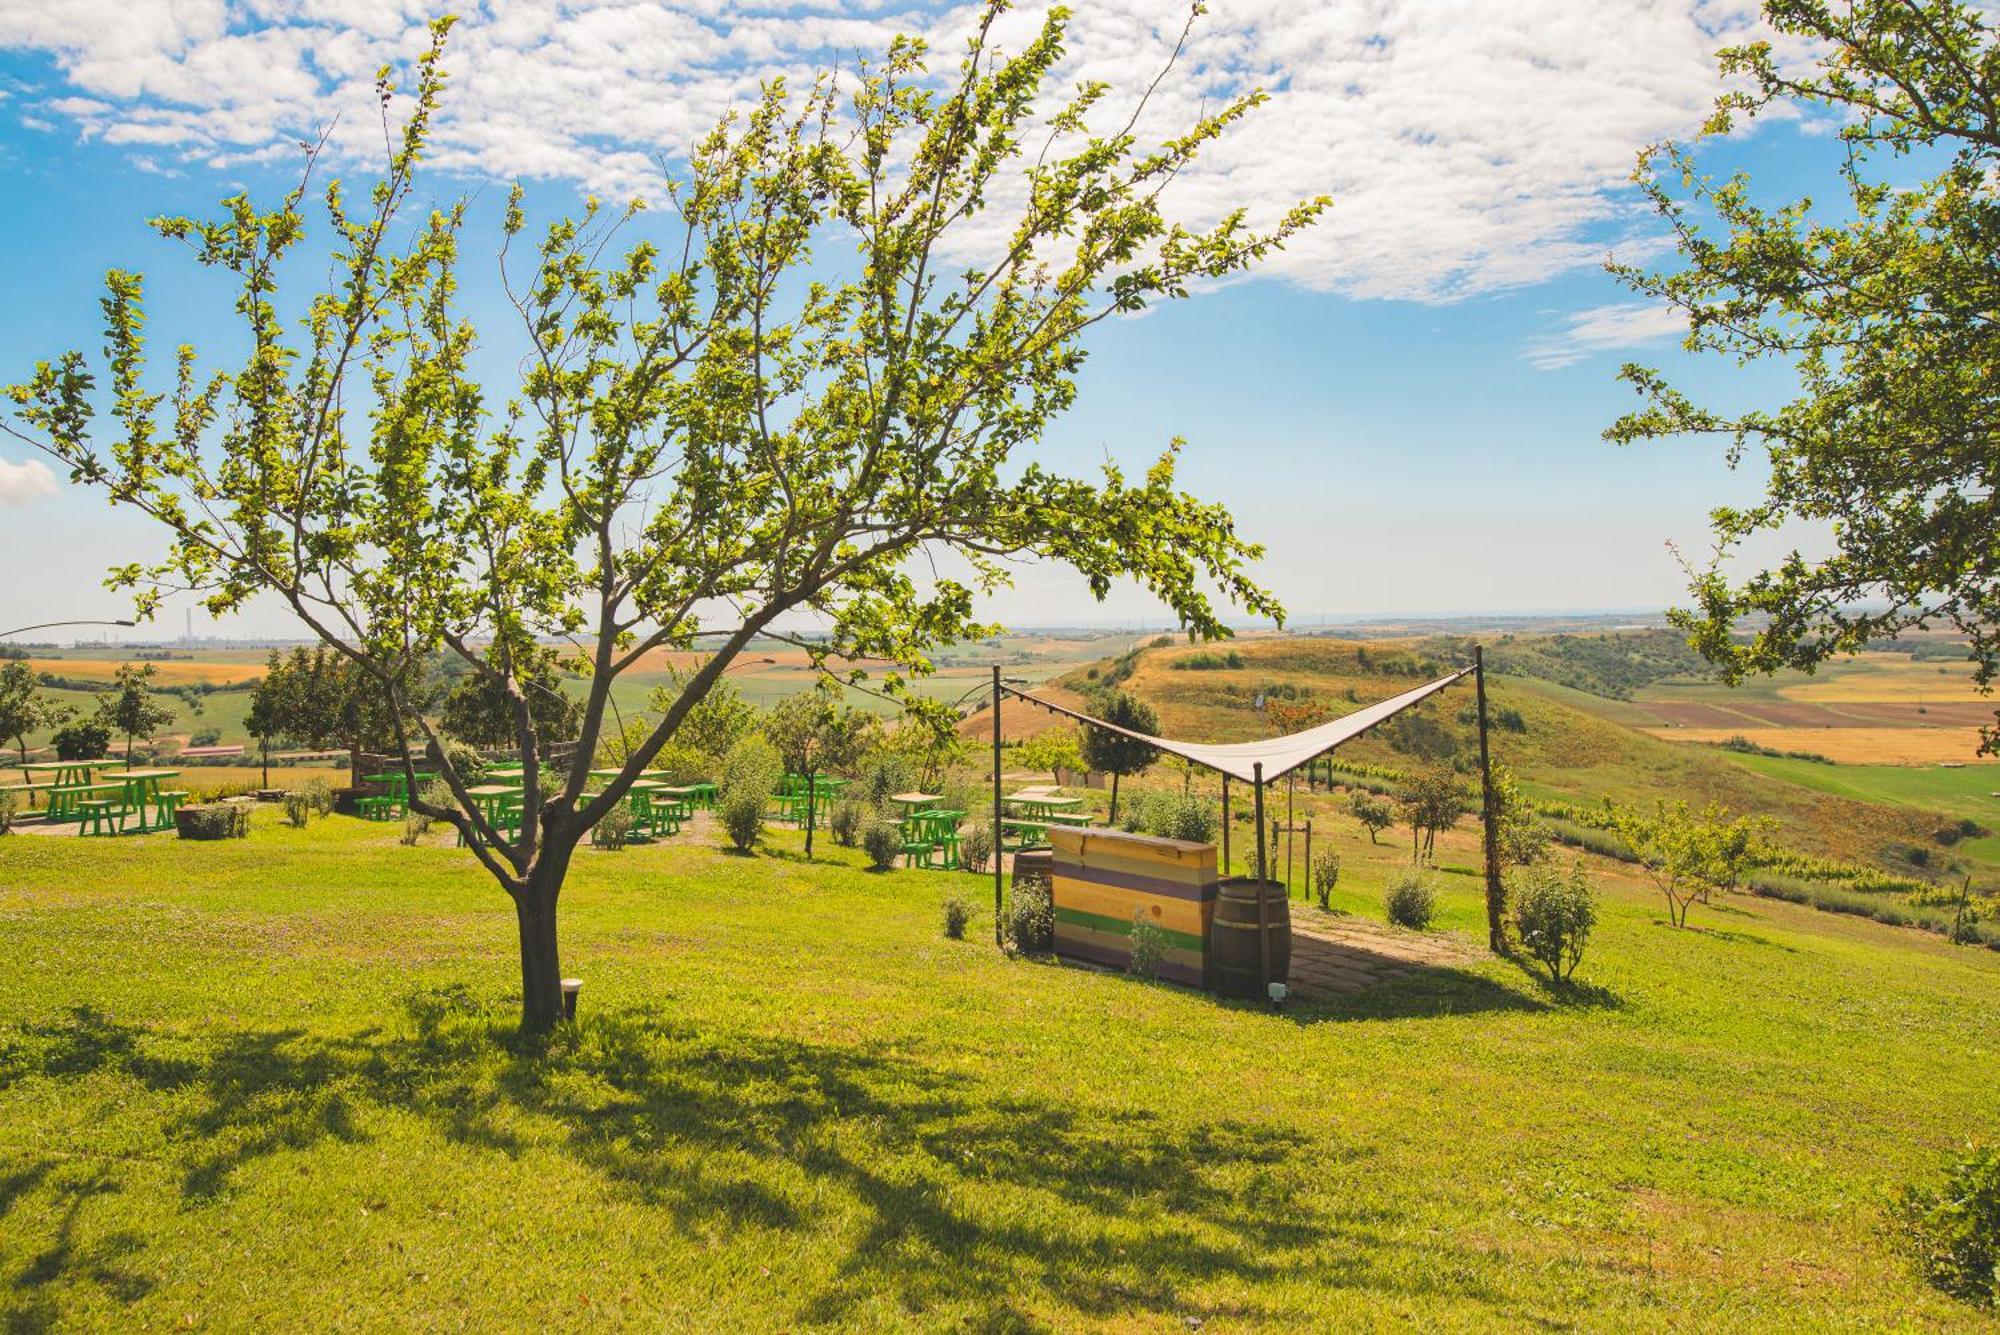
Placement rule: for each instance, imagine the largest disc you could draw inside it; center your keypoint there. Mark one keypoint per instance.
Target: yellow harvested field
(1889, 677)
(173, 672)
(1848, 746)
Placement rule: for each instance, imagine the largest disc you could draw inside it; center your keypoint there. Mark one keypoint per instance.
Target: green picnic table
(397, 799)
(61, 774)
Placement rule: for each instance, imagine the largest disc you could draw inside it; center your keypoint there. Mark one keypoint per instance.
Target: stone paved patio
(1332, 956)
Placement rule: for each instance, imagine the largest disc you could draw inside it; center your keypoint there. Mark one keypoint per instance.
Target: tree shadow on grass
(930, 1190)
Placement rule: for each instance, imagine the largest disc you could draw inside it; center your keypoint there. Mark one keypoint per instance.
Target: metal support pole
(1263, 909)
(1228, 868)
(1496, 890)
(1309, 858)
(1291, 791)
(998, 938)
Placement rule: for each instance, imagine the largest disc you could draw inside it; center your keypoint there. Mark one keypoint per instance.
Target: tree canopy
(25, 707)
(1886, 306)
(1115, 753)
(130, 708)
(777, 399)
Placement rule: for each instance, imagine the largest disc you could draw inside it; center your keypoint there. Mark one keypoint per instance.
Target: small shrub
(1182, 816)
(615, 830)
(845, 822)
(1031, 917)
(1554, 911)
(10, 806)
(883, 778)
(742, 815)
(415, 826)
(752, 766)
(1149, 947)
(975, 846)
(298, 808)
(1411, 898)
(1132, 815)
(882, 840)
(1952, 1229)
(1326, 875)
(957, 913)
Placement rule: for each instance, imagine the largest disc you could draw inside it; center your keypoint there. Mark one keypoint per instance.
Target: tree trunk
(541, 964)
(354, 764)
(811, 814)
(1112, 819)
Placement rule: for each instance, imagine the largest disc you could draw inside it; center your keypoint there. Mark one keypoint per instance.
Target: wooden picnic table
(66, 799)
(1050, 801)
(66, 772)
(491, 797)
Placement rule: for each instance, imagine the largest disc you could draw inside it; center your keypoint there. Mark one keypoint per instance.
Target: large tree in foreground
(1886, 302)
(714, 437)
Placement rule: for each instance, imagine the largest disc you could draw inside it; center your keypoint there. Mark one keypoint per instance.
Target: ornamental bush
(1411, 898)
(1031, 917)
(741, 812)
(845, 822)
(882, 840)
(1554, 911)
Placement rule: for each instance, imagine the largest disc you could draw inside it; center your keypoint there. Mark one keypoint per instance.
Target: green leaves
(796, 391)
(1886, 311)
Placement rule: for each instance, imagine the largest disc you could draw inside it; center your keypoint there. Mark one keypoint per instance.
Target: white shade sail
(1277, 756)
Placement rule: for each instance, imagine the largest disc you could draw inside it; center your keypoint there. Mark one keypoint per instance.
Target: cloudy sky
(1405, 406)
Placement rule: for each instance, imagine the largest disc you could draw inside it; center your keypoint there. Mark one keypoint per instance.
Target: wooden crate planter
(1103, 880)
(213, 820)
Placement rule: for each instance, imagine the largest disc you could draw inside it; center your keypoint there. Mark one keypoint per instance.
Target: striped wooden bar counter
(1102, 880)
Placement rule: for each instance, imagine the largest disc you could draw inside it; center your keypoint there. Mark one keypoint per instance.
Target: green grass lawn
(269, 1084)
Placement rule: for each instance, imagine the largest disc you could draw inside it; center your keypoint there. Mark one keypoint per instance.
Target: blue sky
(1406, 408)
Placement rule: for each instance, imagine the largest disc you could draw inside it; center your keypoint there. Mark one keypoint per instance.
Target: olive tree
(715, 436)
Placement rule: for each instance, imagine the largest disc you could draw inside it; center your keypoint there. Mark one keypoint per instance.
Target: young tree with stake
(704, 448)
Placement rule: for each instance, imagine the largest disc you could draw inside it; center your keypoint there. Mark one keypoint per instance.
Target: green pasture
(1969, 792)
(243, 1082)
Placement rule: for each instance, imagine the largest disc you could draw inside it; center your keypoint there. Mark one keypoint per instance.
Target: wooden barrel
(1235, 964)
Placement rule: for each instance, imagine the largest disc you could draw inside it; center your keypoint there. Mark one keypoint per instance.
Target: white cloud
(1470, 146)
(24, 482)
(1604, 329)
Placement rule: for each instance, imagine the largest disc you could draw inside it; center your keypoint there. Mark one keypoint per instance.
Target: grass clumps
(957, 916)
(311, 798)
(1411, 898)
